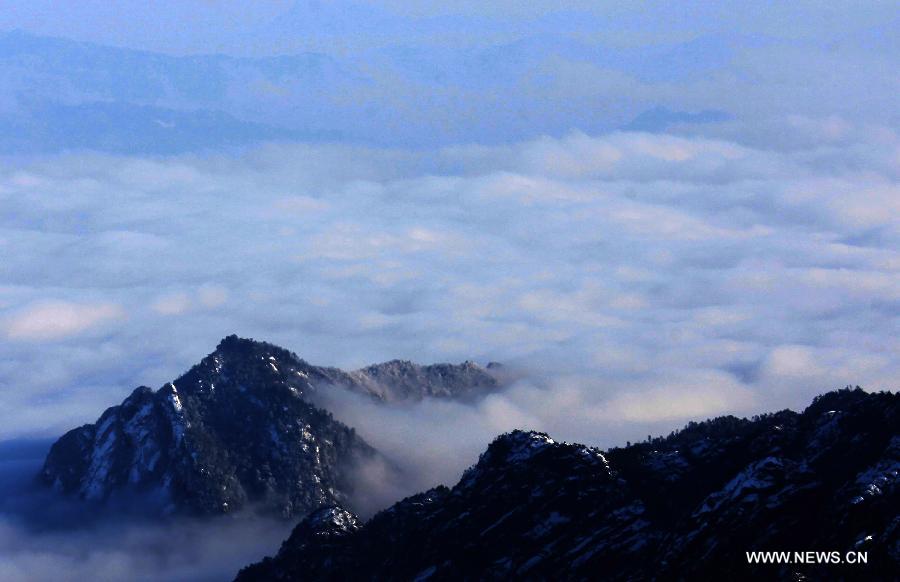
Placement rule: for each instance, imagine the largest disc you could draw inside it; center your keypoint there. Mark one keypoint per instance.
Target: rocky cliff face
(683, 507)
(236, 431)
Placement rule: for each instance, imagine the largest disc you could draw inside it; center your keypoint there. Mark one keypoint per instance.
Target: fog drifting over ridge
(639, 278)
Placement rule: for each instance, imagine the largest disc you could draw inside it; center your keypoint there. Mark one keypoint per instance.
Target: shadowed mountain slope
(683, 507)
(238, 430)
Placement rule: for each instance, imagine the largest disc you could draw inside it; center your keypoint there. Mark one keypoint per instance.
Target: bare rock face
(688, 506)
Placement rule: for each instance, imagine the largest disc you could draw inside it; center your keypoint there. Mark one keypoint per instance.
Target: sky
(657, 213)
(263, 28)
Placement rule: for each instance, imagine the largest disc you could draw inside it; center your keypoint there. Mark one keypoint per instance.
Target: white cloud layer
(676, 276)
(52, 320)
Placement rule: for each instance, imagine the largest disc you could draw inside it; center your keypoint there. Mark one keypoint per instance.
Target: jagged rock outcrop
(403, 380)
(688, 506)
(238, 430)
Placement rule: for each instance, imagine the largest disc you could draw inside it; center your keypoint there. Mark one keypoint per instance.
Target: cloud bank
(673, 276)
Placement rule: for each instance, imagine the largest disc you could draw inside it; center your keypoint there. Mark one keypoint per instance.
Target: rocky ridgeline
(683, 507)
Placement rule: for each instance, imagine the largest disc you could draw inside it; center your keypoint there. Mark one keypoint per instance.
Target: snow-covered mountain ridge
(687, 506)
(239, 430)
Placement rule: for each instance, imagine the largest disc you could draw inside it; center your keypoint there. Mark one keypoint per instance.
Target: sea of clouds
(640, 277)
(630, 281)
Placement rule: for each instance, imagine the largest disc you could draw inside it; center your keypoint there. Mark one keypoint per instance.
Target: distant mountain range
(59, 95)
(685, 507)
(238, 430)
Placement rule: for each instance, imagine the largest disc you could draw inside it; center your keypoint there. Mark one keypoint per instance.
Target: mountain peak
(524, 446)
(235, 345)
(236, 430)
(534, 453)
(837, 400)
(231, 341)
(239, 429)
(520, 445)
